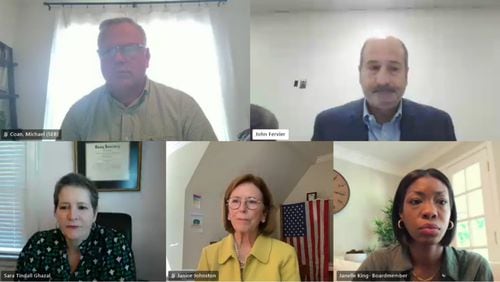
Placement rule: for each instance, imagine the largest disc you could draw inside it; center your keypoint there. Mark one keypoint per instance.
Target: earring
(452, 225)
(399, 224)
(263, 220)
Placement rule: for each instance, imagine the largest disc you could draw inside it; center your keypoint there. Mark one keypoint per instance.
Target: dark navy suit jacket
(418, 123)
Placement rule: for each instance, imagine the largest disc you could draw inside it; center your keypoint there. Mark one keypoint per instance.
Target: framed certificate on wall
(112, 166)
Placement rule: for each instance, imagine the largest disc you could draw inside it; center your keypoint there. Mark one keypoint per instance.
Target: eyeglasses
(235, 203)
(127, 51)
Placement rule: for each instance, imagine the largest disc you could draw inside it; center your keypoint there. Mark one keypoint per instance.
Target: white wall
(51, 160)
(233, 18)
(33, 37)
(453, 60)
(181, 165)
(496, 168)
(213, 227)
(370, 191)
(8, 11)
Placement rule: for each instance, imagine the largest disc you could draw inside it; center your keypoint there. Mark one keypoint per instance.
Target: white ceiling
(273, 6)
(392, 157)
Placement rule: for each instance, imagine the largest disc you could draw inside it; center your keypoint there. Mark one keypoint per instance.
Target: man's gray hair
(106, 24)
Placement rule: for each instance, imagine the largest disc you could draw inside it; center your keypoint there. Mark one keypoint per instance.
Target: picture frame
(112, 166)
(311, 196)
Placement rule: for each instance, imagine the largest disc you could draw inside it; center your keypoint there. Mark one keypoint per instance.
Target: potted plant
(383, 227)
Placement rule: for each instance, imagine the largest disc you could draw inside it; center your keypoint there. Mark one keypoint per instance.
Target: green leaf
(383, 227)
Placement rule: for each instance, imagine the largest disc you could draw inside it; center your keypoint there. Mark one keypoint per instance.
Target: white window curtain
(12, 195)
(183, 51)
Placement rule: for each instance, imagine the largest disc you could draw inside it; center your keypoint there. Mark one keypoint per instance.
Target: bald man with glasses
(130, 106)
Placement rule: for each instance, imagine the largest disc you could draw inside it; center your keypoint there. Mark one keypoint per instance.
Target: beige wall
(181, 164)
(453, 154)
(370, 192)
(213, 228)
(318, 178)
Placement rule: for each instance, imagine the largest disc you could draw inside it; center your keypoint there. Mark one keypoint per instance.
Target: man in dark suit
(383, 114)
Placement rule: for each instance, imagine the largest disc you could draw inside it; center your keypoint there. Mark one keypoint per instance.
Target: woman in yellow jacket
(248, 253)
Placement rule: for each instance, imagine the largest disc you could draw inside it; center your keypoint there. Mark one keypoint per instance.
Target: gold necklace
(242, 262)
(419, 278)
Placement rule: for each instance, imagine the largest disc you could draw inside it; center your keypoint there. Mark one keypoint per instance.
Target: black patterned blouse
(105, 255)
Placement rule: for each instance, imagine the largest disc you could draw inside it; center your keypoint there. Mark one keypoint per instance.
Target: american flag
(306, 227)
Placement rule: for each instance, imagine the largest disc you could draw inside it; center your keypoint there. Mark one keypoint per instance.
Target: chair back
(121, 222)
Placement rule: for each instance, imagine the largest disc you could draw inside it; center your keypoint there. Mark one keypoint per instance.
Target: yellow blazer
(269, 260)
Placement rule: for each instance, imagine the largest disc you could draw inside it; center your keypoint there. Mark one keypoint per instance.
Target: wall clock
(341, 192)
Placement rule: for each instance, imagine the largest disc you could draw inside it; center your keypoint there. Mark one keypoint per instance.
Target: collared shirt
(458, 265)
(161, 113)
(269, 260)
(105, 255)
(389, 131)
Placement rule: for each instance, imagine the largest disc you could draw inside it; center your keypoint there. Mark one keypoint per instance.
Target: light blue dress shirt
(388, 131)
